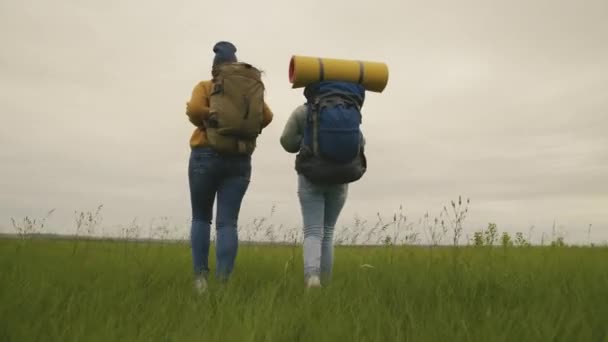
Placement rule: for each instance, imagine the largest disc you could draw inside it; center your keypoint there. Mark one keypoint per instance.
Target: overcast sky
(505, 102)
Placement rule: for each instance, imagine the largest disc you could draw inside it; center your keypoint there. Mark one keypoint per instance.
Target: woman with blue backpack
(325, 132)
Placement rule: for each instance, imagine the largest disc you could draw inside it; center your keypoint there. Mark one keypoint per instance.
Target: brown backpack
(236, 108)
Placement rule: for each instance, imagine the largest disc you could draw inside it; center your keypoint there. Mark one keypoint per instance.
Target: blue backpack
(332, 150)
(334, 118)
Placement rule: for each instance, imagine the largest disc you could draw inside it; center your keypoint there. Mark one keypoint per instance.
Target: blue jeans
(228, 177)
(321, 205)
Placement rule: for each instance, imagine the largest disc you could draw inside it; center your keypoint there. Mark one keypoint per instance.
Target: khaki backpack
(236, 108)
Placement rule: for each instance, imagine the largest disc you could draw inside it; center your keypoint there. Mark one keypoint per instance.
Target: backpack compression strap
(314, 121)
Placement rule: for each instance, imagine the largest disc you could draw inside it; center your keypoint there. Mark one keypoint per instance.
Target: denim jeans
(228, 177)
(321, 205)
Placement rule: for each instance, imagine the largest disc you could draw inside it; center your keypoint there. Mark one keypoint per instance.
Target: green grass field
(115, 291)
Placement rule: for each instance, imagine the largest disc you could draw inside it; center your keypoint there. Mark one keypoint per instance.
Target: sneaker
(313, 281)
(200, 285)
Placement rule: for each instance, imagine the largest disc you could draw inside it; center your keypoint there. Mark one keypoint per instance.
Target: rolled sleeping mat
(304, 70)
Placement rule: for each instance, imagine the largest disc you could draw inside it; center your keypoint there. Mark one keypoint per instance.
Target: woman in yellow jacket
(211, 173)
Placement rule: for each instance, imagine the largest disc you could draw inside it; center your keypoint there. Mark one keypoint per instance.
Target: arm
(292, 133)
(197, 108)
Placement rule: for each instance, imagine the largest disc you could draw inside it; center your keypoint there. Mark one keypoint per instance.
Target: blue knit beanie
(224, 53)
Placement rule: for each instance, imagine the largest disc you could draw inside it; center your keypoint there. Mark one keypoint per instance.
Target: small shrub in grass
(520, 240)
(505, 240)
(28, 226)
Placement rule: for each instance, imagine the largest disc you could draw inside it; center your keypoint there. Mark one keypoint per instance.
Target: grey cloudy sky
(505, 102)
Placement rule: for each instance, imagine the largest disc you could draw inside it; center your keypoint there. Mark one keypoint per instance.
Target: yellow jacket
(197, 110)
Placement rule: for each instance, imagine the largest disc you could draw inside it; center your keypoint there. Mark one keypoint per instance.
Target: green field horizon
(62, 290)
